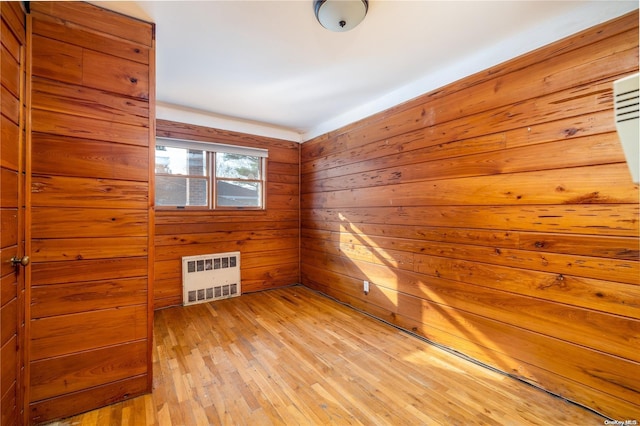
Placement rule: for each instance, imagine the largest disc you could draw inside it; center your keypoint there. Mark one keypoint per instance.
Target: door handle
(24, 261)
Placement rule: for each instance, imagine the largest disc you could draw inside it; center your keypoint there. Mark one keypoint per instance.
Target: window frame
(211, 150)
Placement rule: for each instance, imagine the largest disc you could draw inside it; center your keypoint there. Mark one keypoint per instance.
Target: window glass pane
(180, 191)
(237, 166)
(238, 194)
(180, 161)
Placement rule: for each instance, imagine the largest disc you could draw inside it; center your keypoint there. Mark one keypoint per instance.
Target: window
(199, 175)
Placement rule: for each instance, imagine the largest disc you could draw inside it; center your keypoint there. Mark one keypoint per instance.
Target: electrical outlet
(365, 287)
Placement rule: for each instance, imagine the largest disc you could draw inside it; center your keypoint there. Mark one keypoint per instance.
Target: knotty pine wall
(495, 216)
(91, 222)
(268, 240)
(13, 38)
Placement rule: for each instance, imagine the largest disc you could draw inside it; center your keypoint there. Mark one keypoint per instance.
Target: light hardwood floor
(291, 356)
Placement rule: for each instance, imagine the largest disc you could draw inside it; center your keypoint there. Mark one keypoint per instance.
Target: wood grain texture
(9, 188)
(582, 219)
(12, 282)
(10, 151)
(10, 77)
(95, 248)
(80, 35)
(61, 191)
(291, 356)
(63, 375)
(74, 126)
(8, 363)
(86, 102)
(496, 216)
(10, 105)
(68, 334)
(8, 289)
(268, 240)
(84, 222)
(69, 298)
(68, 156)
(87, 399)
(90, 209)
(99, 20)
(96, 269)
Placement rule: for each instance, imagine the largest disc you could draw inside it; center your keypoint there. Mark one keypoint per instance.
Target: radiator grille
(210, 277)
(627, 105)
(627, 111)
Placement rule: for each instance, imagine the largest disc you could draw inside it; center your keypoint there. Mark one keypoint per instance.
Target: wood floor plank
(292, 356)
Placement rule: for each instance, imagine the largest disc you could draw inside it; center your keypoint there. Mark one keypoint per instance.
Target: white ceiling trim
(165, 111)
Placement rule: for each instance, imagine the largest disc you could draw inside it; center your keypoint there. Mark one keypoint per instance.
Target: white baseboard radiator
(210, 277)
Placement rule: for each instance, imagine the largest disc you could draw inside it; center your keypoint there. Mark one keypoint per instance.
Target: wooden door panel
(66, 374)
(87, 399)
(100, 269)
(48, 250)
(8, 321)
(48, 95)
(11, 44)
(115, 75)
(69, 298)
(47, 26)
(59, 155)
(8, 362)
(9, 188)
(10, 76)
(10, 105)
(100, 20)
(63, 191)
(12, 300)
(66, 334)
(8, 147)
(87, 222)
(7, 268)
(56, 60)
(8, 288)
(9, 223)
(74, 126)
(9, 407)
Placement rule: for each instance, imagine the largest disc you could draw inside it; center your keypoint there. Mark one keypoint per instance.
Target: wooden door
(90, 221)
(12, 277)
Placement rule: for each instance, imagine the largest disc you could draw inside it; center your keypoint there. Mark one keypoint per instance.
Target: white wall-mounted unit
(626, 100)
(210, 277)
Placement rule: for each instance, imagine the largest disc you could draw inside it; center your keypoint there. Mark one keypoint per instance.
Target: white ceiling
(267, 67)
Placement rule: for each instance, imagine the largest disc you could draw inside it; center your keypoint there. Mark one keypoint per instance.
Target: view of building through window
(187, 177)
(237, 180)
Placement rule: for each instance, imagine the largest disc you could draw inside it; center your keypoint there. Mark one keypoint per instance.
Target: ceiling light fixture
(340, 15)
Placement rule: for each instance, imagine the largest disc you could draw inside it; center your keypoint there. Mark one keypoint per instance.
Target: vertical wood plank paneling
(12, 297)
(268, 239)
(91, 217)
(152, 213)
(495, 216)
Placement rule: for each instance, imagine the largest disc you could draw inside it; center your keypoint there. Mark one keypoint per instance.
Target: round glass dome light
(340, 15)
